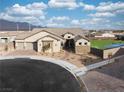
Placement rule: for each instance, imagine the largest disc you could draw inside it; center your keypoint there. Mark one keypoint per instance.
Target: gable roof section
(26, 35)
(31, 33)
(21, 35)
(49, 36)
(53, 34)
(67, 33)
(61, 31)
(78, 37)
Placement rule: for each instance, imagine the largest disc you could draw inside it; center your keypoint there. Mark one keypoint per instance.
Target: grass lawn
(101, 44)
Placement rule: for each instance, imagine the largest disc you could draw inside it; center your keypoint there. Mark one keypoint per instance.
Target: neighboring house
(7, 40)
(50, 40)
(120, 37)
(104, 35)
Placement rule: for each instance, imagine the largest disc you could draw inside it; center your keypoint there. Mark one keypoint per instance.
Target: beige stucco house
(47, 40)
(82, 45)
(105, 35)
(40, 41)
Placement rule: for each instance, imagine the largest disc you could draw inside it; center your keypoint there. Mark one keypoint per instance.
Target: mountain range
(6, 25)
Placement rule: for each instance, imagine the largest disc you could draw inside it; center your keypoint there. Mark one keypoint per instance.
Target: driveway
(108, 78)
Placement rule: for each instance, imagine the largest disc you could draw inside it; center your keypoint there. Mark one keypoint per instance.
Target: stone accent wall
(82, 49)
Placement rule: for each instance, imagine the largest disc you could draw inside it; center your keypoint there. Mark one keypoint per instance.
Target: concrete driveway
(109, 78)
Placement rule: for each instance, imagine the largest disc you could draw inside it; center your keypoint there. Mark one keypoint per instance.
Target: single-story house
(104, 35)
(48, 40)
(120, 37)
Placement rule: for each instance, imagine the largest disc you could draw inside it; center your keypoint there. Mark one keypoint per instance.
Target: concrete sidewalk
(62, 63)
(83, 70)
(109, 78)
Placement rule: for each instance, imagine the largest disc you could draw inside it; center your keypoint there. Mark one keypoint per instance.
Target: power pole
(29, 27)
(17, 27)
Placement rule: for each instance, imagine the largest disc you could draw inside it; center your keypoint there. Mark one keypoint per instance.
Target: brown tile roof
(80, 37)
(56, 31)
(26, 34)
(61, 31)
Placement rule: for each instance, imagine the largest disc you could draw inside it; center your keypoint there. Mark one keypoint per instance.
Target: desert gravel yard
(63, 55)
(108, 78)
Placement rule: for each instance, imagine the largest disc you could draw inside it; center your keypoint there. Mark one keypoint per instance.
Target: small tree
(109, 55)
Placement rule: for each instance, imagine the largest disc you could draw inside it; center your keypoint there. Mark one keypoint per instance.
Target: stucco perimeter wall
(56, 44)
(105, 53)
(108, 52)
(97, 52)
(7, 47)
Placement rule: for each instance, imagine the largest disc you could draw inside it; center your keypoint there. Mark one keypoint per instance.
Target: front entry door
(47, 46)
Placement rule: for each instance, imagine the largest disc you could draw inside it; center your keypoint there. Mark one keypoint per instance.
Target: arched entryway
(69, 45)
(47, 46)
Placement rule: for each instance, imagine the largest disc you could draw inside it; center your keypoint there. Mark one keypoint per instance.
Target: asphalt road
(35, 76)
(109, 78)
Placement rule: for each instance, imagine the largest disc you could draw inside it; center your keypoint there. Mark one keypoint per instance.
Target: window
(62, 44)
(85, 43)
(4, 40)
(80, 43)
(69, 37)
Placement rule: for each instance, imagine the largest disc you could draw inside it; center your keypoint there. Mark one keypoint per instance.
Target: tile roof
(56, 31)
(26, 34)
(61, 31)
(80, 37)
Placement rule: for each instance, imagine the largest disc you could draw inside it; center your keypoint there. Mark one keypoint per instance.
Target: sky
(86, 14)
